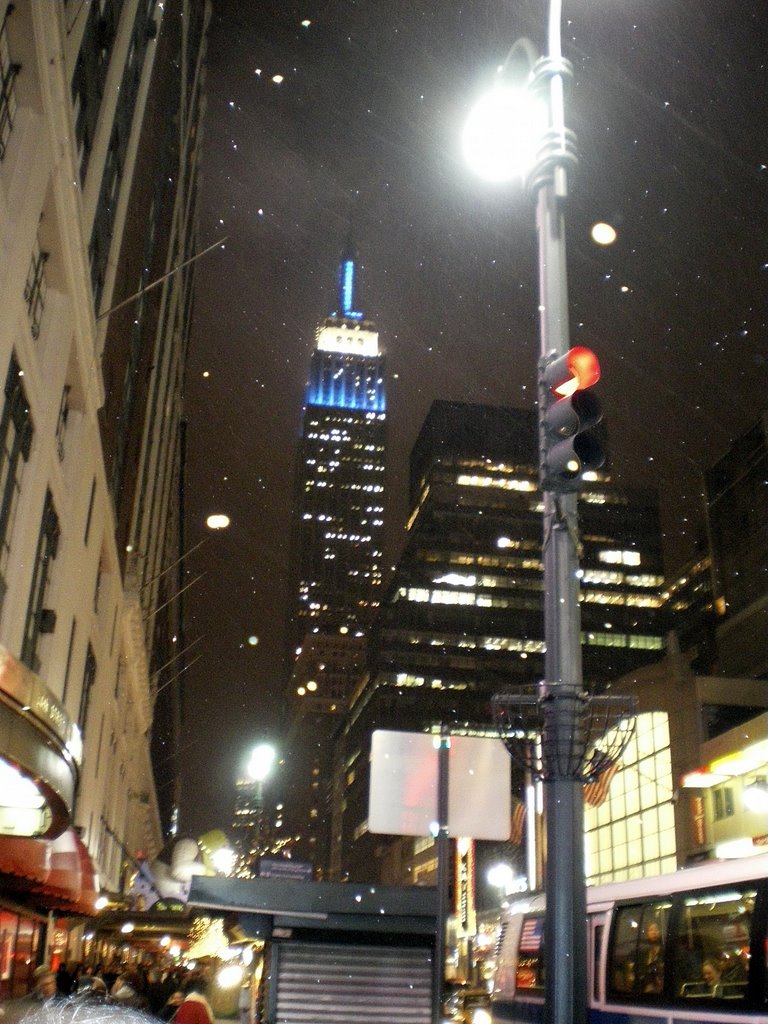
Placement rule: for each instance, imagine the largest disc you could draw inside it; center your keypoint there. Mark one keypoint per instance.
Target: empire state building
(339, 506)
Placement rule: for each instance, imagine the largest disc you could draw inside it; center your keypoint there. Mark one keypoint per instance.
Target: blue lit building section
(346, 382)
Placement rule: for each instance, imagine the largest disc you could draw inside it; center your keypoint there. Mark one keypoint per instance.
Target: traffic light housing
(568, 414)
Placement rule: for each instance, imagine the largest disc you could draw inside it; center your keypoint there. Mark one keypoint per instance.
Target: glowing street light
(501, 876)
(217, 521)
(502, 133)
(603, 234)
(261, 762)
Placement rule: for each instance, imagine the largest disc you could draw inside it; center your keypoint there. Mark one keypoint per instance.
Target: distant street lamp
(217, 521)
(261, 762)
(501, 876)
(223, 860)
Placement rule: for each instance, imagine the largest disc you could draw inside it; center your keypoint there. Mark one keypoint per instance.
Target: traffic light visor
(580, 369)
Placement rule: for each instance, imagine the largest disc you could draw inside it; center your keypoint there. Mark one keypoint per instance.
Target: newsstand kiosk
(333, 952)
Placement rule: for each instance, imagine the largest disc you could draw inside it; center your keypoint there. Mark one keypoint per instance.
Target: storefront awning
(40, 755)
(59, 872)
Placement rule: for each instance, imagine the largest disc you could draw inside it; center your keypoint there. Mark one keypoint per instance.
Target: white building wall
(40, 198)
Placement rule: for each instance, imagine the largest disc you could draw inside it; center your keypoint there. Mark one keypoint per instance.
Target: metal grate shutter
(320, 983)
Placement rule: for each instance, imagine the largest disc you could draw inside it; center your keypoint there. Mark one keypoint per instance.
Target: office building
(100, 106)
(463, 617)
(689, 610)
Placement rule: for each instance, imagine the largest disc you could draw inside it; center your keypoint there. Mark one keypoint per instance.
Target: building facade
(462, 619)
(691, 784)
(689, 608)
(737, 512)
(97, 201)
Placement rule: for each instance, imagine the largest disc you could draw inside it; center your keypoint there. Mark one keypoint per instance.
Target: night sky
(669, 105)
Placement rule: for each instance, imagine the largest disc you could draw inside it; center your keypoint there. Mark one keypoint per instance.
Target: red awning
(25, 858)
(60, 871)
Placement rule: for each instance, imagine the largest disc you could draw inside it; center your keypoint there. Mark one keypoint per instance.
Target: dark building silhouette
(463, 616)
(737, 506)
(690, 611)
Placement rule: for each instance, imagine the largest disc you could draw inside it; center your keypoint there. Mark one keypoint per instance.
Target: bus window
(530, 959)
(712, 945)
(597, 943)
(636, 956)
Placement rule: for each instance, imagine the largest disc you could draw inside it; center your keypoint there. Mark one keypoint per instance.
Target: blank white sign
(403, 789)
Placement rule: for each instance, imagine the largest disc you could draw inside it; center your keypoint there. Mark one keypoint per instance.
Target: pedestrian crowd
(176, 994)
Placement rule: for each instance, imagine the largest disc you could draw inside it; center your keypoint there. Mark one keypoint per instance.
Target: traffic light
(568, 413)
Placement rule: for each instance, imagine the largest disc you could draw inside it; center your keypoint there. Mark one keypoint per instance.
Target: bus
(690, 946)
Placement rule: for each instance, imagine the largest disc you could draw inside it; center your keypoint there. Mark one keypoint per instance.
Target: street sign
(282, 867)
(403, 788)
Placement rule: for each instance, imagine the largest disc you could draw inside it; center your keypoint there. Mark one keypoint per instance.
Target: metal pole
(561, 692)
(443, 850)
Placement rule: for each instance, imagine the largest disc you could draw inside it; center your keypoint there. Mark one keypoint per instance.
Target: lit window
(505, 483)
(620, 557)
(451, 597)
(645, 580)
(455, 579)
(601, 578)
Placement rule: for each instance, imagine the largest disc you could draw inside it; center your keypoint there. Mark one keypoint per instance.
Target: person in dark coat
(168, 1012)
(64, 980)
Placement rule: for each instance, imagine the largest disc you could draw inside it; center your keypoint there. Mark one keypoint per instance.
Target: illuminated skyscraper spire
(346, 282)
(346, 370)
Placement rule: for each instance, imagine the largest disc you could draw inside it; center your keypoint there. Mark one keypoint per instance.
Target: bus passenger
(651, 959)
(712, 974)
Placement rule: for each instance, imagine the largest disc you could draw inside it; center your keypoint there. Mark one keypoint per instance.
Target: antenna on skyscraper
(347, 291)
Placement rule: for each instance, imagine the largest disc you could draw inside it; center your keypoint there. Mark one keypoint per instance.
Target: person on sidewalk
(195, 1009)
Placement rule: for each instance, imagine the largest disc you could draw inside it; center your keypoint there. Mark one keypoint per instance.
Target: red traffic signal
(577, 370)
(568, 412)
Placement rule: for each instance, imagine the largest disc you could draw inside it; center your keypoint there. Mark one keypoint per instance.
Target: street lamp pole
(559, 709)
(561, 695)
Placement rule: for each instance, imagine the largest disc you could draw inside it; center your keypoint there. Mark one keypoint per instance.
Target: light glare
(18, 790)
(756, 798)
(262, 759)
(502, 133)
(230, 976)
(224, 860)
